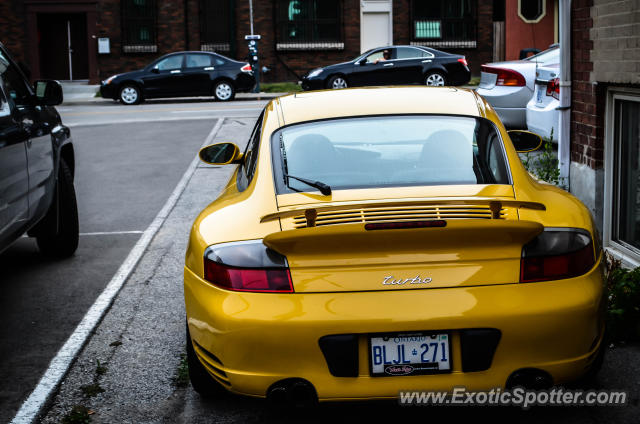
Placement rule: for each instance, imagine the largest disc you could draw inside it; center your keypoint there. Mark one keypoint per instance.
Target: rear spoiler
(311, 213)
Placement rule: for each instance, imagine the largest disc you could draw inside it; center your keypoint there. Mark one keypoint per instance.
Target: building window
(622, 226)
(139, 26)
(532, 11)
(216, 26)
(444, 23)
(309, 24)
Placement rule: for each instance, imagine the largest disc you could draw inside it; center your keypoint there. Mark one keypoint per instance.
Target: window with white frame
(622, 225)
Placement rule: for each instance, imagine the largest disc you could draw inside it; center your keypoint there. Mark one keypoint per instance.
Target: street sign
(252, 37)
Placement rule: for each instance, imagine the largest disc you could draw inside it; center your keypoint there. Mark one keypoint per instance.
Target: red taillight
(247, 279)
(557, 254)
(507, 77)
(553, 88)
(247, 266)
(246, 68)
(463, 60)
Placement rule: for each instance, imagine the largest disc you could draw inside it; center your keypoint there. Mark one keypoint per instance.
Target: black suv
(36, 164)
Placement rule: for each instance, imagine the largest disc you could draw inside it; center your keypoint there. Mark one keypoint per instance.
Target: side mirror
(48, 92)
(525, 141)
(155, 70)
(220, 154)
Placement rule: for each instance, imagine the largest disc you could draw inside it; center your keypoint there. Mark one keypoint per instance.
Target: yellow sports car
(382, 239)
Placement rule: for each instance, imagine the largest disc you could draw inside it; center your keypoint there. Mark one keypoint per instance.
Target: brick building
(605, 119)
(296, 34)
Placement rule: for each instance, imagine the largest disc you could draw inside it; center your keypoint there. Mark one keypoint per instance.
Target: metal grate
(217, 32)
(309, 25)
(139, 26)
(444, 23)
(409, 213)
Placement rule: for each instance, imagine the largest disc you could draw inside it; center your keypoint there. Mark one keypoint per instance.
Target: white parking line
(111, 233)
(60, 364)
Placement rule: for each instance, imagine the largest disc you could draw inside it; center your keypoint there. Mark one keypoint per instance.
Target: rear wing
(311, 213)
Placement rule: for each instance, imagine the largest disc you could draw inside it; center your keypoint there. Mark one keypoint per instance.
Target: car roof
(367, 101)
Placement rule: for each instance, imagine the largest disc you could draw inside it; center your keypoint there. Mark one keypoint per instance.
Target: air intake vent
(408, 213)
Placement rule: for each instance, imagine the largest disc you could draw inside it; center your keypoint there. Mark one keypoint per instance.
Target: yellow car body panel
(262, 338)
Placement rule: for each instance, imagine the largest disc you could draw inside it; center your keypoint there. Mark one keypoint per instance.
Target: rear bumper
(245, 82)
(513, 118)
(259, 339)
(541, 120)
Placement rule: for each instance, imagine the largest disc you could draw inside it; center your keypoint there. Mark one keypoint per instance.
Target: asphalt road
(129, 159)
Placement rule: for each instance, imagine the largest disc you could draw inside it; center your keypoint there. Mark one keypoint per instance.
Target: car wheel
(200, 379)
(336, 82)
(224, 91)
(130, 95)
(435, 79)
(58, 237)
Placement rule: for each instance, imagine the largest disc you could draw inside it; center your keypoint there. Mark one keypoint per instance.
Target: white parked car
(542, 112)
(508, 86)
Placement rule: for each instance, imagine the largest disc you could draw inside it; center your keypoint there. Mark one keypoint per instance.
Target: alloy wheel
(339, 82)
(435, 80)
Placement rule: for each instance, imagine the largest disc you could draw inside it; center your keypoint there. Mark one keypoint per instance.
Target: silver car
(508, 86)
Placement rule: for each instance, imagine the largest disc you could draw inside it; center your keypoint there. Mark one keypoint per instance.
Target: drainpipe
(564, 135)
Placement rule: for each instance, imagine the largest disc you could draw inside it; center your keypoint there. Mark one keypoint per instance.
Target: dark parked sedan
(393, 65)
(37, 164)
(182, 74)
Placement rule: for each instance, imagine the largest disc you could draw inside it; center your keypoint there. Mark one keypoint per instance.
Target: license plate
(410, 354)
(541, 93)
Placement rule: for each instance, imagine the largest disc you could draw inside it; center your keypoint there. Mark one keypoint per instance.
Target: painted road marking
(111, 233)
(60, 364)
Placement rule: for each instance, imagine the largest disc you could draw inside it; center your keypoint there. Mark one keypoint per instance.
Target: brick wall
(284, 65)
(587, 113)
(12, 28)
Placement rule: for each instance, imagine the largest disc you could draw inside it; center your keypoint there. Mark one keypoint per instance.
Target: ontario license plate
(410, 354)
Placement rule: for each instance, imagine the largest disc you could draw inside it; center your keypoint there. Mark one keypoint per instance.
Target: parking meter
(253, 58)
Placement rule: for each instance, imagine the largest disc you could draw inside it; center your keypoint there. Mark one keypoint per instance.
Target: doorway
(63, 47)
(376, 28)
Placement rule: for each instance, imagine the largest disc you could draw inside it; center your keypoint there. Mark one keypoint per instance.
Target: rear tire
(58, 235)
(435, 79)
(224, 91)
(200, 379)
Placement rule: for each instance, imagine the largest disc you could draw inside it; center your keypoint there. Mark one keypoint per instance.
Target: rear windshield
(389, 151)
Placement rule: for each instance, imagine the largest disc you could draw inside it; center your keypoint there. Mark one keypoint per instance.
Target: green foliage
(280, 87)
(623, 314)
(544, 165)
(91, 390)
(474, 81)
(181, 377)
(100, 368)
(78, 415)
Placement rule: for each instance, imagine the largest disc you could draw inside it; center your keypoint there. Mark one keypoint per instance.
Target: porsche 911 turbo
(373, 240)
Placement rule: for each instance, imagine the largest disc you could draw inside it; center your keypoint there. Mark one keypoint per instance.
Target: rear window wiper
(324, 188)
